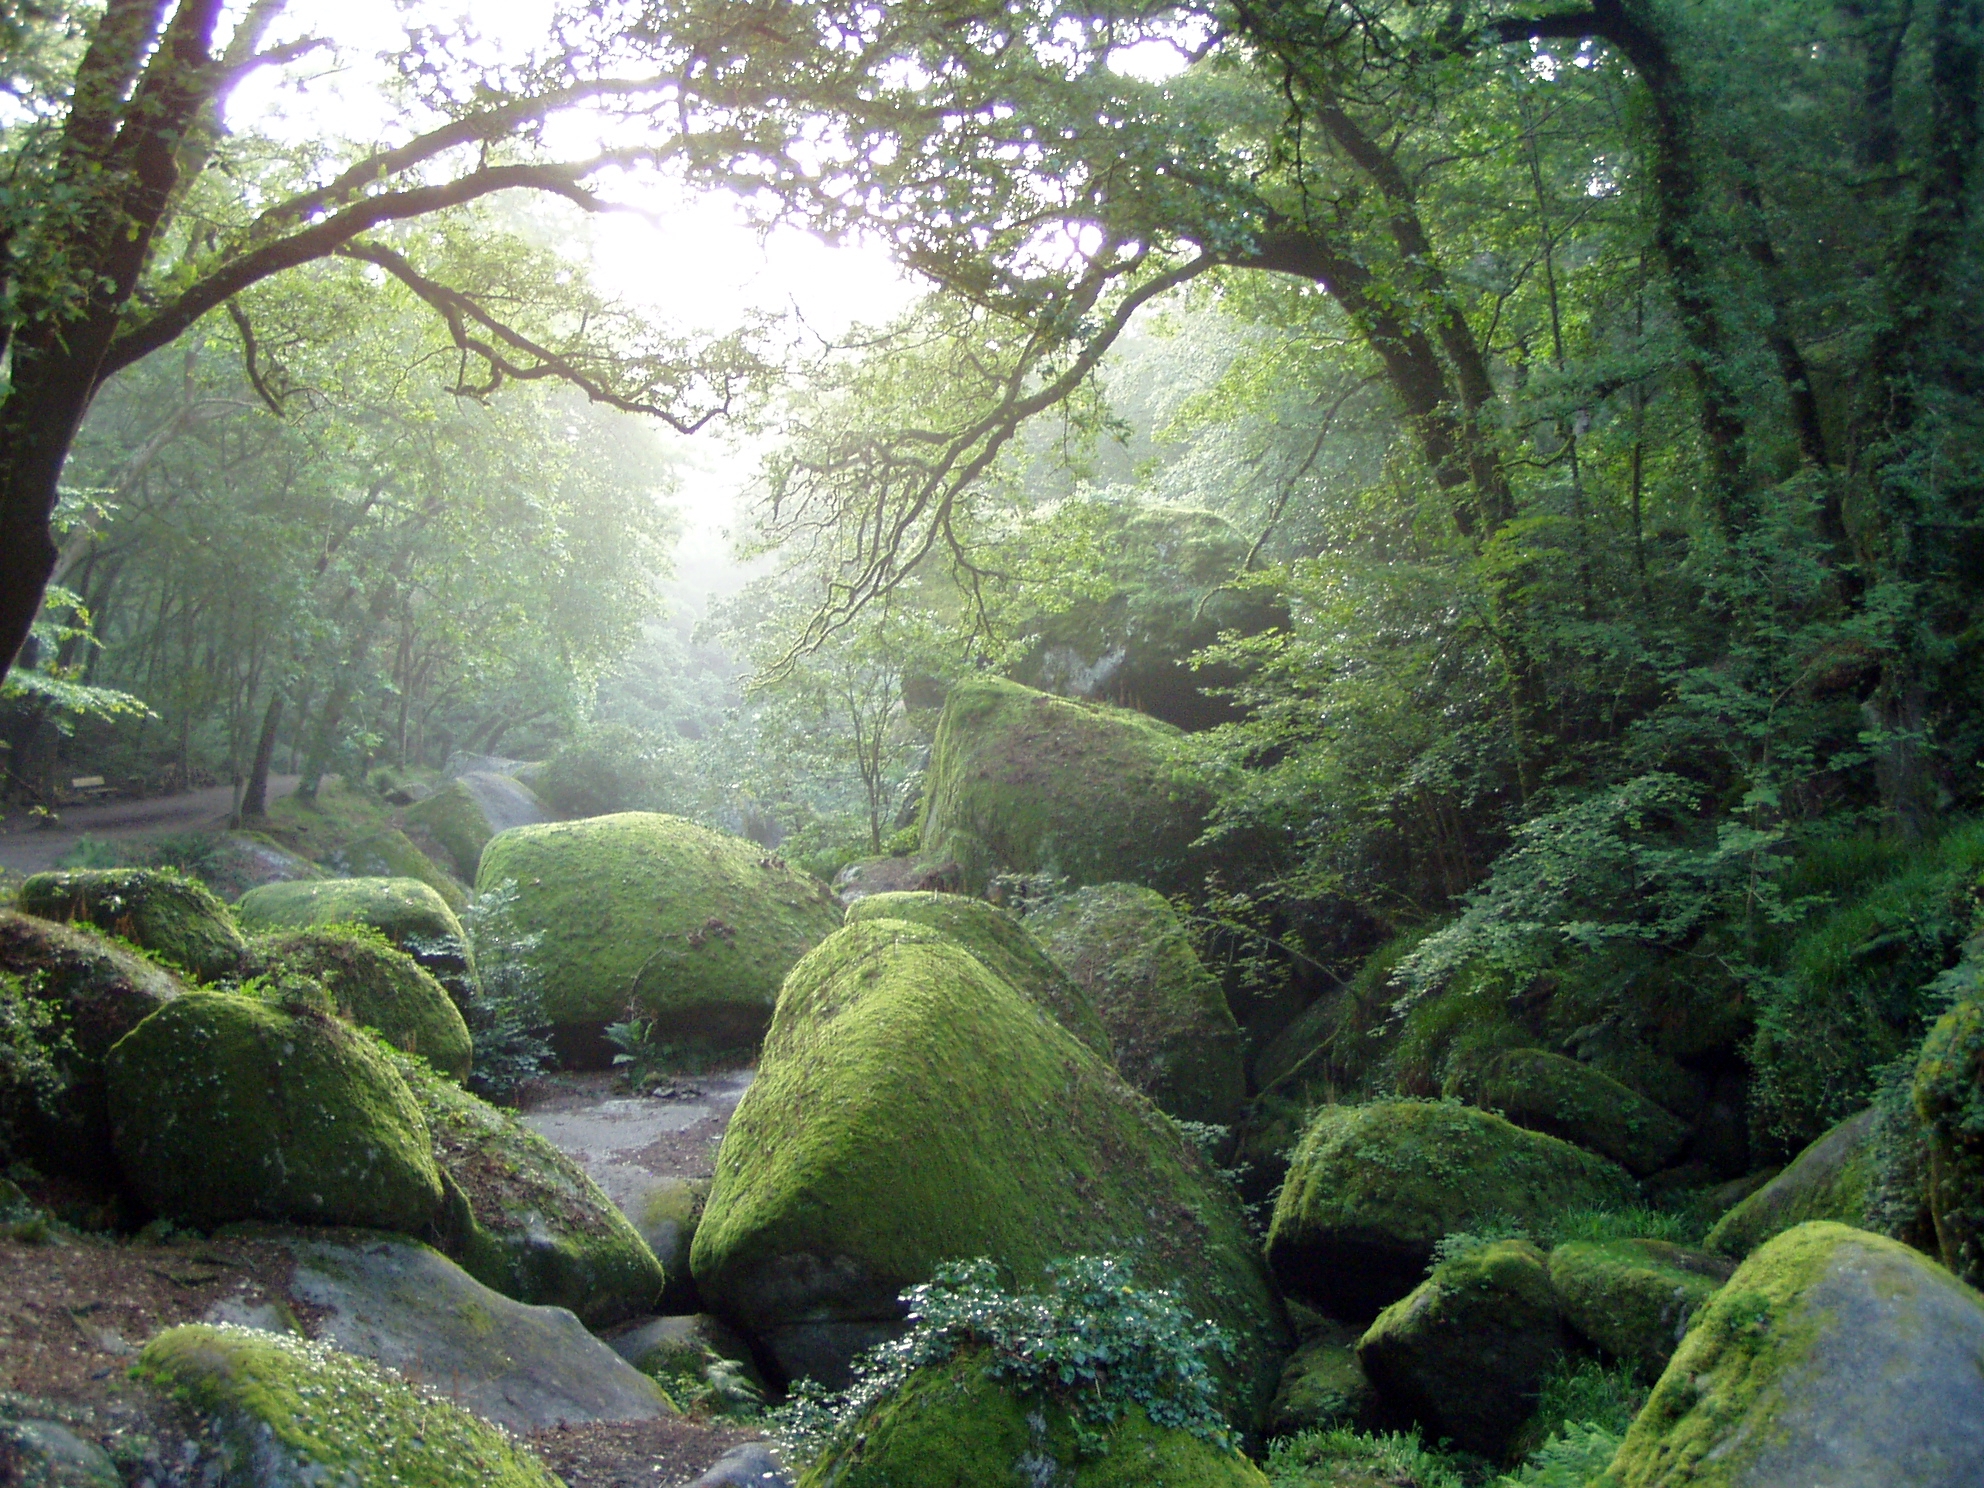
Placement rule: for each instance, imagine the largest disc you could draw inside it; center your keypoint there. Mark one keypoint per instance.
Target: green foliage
(1571, 1458)
(1580, 1396)
(1090, 1340)
(505, 1017)
(34, 1049)
(1341, 1458)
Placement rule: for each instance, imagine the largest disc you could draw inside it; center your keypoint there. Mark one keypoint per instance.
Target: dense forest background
(1528, 449)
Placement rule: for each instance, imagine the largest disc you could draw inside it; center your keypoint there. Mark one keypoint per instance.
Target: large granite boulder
(282, 1410)
(1949, 1099)
(1464, 1354)
(911, 1107)
(94, 992)
(1173, 1034)
(950, 1426)
(465, 813)
(1371, 1189)
(1635, 1298)
(1831, 1179)
(1832, 1356)
(1586, 1107)
(1007, 947)
(393, 854)
(174, 917)
(375, 985)
(406, 911)
(524, 1218)
(1025, 782)
(691, 928)
(224, 1107)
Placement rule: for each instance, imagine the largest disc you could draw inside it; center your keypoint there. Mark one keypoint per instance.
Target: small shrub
(1092, 1340)
(1571, 1460)
(505, 1016)
(32, 1043)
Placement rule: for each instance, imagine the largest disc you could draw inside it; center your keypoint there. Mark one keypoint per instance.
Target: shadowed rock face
(1832, 1356)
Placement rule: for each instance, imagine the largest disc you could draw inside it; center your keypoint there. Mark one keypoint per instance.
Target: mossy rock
(1173, 1034)
(1323, 1385)
(1007, 948)
(1372, 1188)
(174, 917)
(911, 1107)
(1831, 1179)
(950, 1426)
(246, 860)
(1169, 589)
(393, 854)
(692, 927)
(666, 1213)
(406, 911)
(1464, 1354)
(285, 1410)
(99, 992)
(1635, 1298)
(1026, 782)
(1948, 1093)
(1832, 1356)
(375, 985)
(224, 1107)
(465, 813)
(1548, 1093)
(524, 1219)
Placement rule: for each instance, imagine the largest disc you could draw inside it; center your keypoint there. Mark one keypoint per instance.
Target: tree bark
(255, 799)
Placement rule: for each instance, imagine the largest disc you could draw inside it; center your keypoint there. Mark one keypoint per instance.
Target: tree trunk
(255, 800)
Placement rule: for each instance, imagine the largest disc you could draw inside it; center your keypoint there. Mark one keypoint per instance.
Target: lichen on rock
(910, 1107)
(1173, 1034)
(1007, 947)
(225, 1107)
(287, 1411)
(1026, 782)
(692, 928)
(1371, 1189)
(175, 918)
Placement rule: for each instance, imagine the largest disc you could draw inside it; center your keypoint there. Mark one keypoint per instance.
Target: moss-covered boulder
(1548, 1093)
(1174, 1036)
(524, 1219)
(465, 813)
(375, 985)
(1948, 1094)
(692, 927)
(1025, 782)
(224, 1107)
(1832, 1356)
(666, 1212)
(1007, 948)
(1465, 1353)
(1323, 1384)
(950, 1426)
(1830, 1179)
(93, 993)
(393, 854)
(910, 1107)
(174, 917)
(284, 1410)
(1635, 1298)
(1372, 1189)
(246, 860)
(406, 911)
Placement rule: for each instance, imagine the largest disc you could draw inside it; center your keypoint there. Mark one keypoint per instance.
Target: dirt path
(26, 848)
(624, 1141)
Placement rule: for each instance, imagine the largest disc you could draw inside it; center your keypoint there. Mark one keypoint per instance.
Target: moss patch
(1372, 1188)
(1323, 1385)
(98, 992)
(909, 1108)
(174, 917)
(1831, 1356)
(1829, 1180)
(1025, 782)
(693, 927)
(404, 910)
(1465, 1353)
(1007, 948)
(1549, 1093)
(286, 1409)
(1635, 1298)
(375, 985)
(951, 1427)
(1949, 1098)
(524, 1219)
(224, 1108)
(1173, 1034)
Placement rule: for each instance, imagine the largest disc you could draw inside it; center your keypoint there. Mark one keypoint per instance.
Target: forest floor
(27, 847)
(75, 1307)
